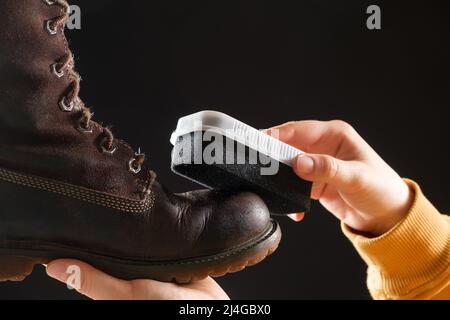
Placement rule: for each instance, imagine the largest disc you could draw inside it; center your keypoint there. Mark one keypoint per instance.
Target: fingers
(325, 169)
(88, 280)
(99, 286)
(298, 134)
(314, 136)
(297, 217)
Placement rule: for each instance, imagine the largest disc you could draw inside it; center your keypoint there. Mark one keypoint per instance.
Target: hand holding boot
(101, 286)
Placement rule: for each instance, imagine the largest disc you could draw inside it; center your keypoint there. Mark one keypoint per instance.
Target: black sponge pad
(283, 192)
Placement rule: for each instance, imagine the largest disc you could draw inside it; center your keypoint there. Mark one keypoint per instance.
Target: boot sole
(18, 258)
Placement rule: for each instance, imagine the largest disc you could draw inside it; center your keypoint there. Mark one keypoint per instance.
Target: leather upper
(36, 136)
(38, 139)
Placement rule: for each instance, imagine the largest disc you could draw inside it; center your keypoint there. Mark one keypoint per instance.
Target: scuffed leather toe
(229, 219)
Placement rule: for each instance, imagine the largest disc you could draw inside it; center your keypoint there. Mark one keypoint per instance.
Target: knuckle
(136, 289)
(290, 124)
(343, 127)
(330, 168)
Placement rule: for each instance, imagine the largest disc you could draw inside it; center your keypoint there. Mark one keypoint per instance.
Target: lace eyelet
(66, 107)
(85, 130)
(52, 30)
(55, 71)
(49, 2)
(133, 168)
(108, 151)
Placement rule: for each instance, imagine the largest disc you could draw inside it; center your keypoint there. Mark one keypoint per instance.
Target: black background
(146, 63)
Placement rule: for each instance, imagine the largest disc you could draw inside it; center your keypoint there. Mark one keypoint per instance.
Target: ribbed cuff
(409, 256)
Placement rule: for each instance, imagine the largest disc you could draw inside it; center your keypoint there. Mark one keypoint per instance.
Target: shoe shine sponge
(220, 152)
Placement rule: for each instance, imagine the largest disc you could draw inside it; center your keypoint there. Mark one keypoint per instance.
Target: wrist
(396, 212)
(407, 259)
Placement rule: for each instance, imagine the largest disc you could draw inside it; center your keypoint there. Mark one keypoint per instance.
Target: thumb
(324, 169)
(87, 280)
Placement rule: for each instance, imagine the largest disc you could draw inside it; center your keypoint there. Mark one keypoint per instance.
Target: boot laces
(71, 101)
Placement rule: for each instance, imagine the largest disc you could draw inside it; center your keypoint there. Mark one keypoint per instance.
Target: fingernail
(285, 134)
(305, 164)
(297, 217)
(273, 132)
(58, 271)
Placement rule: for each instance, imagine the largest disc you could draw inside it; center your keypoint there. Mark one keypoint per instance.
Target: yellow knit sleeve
(412, 260)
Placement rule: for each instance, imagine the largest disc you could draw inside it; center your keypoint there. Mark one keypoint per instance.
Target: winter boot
(70, 189)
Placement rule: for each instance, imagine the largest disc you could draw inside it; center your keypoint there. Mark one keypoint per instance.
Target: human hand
(350, 179)
(100, 286)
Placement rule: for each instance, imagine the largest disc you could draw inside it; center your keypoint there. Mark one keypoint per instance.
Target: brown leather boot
(69, 189)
